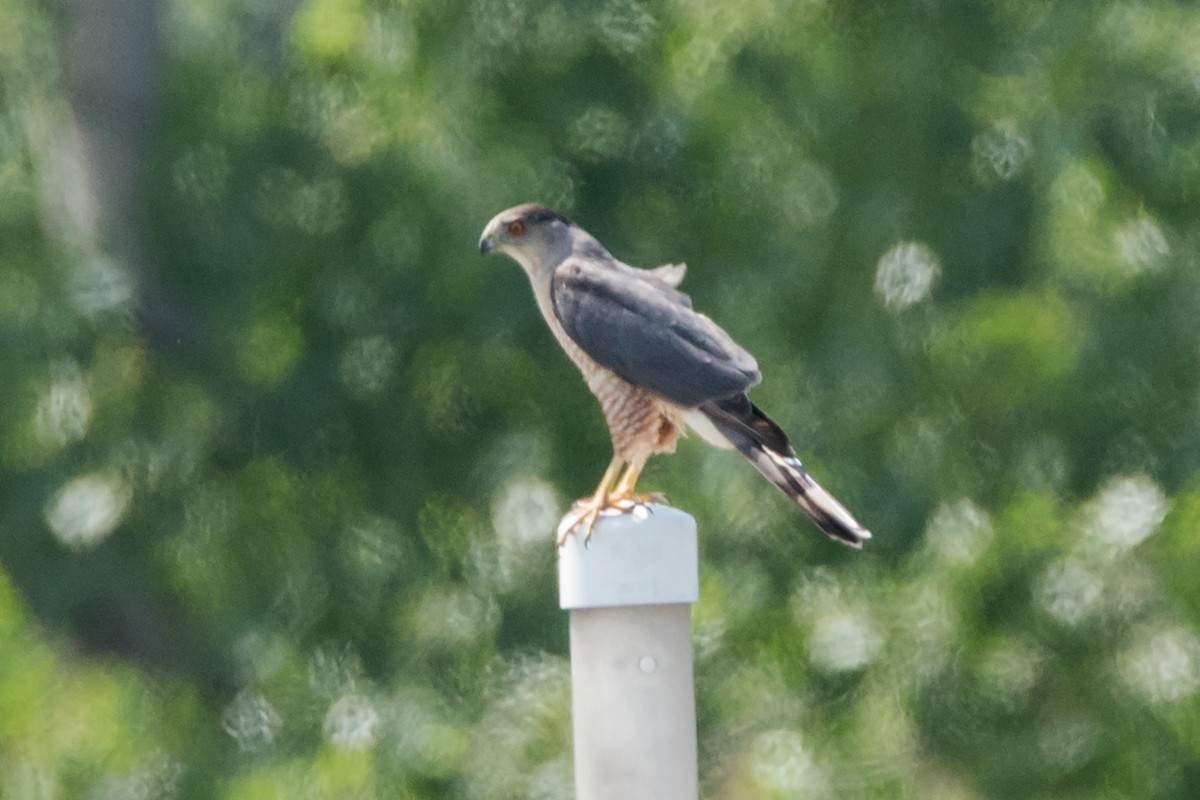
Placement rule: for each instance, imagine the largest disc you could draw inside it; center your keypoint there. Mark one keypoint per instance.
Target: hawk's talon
(574, 518)
(587, 511)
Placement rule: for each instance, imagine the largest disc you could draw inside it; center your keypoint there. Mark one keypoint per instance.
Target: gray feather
(646, 332)
(765, 444)
(670, 274)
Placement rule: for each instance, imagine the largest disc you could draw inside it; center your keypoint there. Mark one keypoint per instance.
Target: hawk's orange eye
(516, 228)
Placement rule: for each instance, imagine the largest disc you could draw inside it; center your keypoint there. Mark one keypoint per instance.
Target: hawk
(657, 366)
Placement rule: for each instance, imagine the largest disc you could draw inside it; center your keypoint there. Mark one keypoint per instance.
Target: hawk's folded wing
(647, 333)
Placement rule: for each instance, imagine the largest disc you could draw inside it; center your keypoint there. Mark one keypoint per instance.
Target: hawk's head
(530, 233)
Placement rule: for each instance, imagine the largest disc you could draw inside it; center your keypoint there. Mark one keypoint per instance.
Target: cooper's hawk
(656, 365)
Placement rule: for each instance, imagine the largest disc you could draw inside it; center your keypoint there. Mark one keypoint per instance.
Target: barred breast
(640, 422)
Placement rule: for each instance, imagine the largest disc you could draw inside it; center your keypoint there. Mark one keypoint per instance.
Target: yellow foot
(586, 512)
(583, 512)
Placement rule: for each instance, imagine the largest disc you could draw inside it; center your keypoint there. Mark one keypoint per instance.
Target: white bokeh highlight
(999, 153)
(625, 26)
(334, 669)
(85, 511)
(1142, 245)
(99, 286)
(905, 274)
(959, 532)
(352, 722)
(1126, 511)
(779, 761)
(843, 639)
(1069, 591)
(525, 511)
(367, 365)
(1009, 671)
(64, 409)
(1162, 665)
(252, 721)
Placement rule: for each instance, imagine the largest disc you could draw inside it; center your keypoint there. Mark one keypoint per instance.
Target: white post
(629, 593)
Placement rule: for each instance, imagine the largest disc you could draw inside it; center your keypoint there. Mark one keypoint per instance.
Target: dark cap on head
(536, 212)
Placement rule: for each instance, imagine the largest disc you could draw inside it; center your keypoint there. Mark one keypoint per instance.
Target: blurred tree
(276, 495)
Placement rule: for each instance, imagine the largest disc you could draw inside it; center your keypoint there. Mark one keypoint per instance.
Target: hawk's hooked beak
(485, 244)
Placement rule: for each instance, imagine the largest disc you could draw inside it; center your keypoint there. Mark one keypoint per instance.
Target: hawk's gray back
(647, 333)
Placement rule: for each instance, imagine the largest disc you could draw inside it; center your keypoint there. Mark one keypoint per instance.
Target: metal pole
(629, 593)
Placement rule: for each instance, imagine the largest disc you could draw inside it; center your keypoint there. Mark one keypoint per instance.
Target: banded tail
(766, 445)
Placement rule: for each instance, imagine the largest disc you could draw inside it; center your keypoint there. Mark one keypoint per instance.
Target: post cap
(647, 556)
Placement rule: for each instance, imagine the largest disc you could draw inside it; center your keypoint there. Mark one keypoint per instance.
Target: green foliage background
(280, 454)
